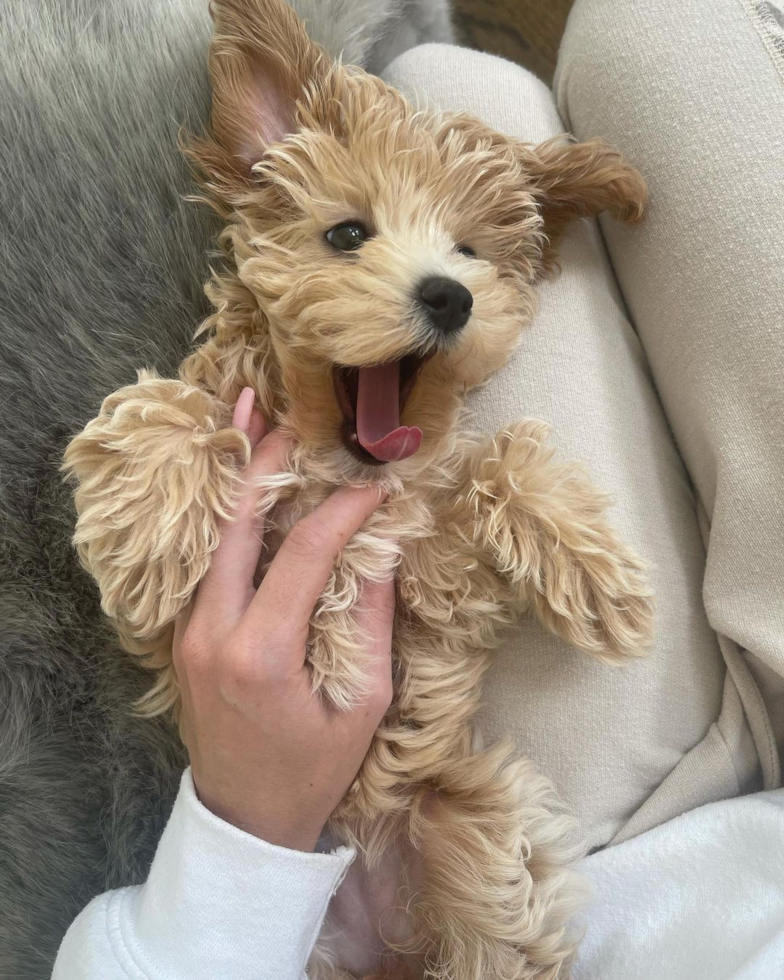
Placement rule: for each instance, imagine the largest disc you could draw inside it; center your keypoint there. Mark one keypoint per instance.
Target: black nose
(446, 302)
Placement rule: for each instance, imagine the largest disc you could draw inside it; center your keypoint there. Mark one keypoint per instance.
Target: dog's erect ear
(579, 180)
(261, 61)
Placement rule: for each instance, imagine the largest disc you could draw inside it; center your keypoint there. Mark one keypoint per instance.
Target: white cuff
(221, 903)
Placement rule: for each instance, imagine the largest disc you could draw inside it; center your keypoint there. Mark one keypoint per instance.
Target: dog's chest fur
(450, 602)
(387, 541)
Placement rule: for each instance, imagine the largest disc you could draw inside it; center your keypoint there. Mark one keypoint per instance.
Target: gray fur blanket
(102, 271)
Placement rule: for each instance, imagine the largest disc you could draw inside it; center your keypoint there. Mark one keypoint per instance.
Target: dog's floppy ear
(261, 61)
(578, 180)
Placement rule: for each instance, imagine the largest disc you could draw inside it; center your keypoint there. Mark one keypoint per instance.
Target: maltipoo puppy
(380, 261)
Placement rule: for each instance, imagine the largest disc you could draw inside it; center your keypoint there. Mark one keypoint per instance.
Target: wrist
(296, 833)
(281, 833)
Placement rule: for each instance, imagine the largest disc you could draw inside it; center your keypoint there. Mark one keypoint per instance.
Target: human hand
(267, 755)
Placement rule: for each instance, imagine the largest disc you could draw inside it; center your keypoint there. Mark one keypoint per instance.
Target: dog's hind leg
(156, 470)
(496, 894)
(493, 893)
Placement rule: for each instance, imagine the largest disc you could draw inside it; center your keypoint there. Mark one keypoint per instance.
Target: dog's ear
(579, 180)
(261, 62)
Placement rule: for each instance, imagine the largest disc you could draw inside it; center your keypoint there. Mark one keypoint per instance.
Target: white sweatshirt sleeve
(218, 904)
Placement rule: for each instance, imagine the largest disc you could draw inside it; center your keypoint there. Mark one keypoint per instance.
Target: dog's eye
(347, 237)
(467, 251)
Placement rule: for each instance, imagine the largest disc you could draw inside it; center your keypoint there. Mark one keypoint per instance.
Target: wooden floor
(525, 31)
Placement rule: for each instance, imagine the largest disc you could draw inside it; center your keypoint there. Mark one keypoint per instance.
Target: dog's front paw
(155, 471)
(545, 525)
(597, 597)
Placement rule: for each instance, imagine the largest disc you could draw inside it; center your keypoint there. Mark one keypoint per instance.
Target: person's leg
(608, 737)
(695, 94)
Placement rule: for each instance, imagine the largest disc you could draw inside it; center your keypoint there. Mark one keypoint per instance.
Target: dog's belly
(368, 912)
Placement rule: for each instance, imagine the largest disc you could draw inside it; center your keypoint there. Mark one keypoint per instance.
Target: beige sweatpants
(658, 357)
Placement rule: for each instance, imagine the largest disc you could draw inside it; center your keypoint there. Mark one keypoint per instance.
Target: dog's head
(383, 259)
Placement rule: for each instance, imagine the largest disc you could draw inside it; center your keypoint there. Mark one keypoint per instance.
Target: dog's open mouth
(371, 400)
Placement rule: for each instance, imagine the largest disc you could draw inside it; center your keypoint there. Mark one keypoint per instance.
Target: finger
(285, 599)
(228, 583)
(244, 409)
(248, 419)
(375, 618)
(257, 428)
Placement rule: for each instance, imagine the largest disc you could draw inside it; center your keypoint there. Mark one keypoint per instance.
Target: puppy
(381, 261)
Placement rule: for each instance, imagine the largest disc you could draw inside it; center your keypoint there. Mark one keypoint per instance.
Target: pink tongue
(378, 415)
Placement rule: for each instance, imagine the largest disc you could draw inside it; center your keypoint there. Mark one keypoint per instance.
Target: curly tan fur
(477, 529)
